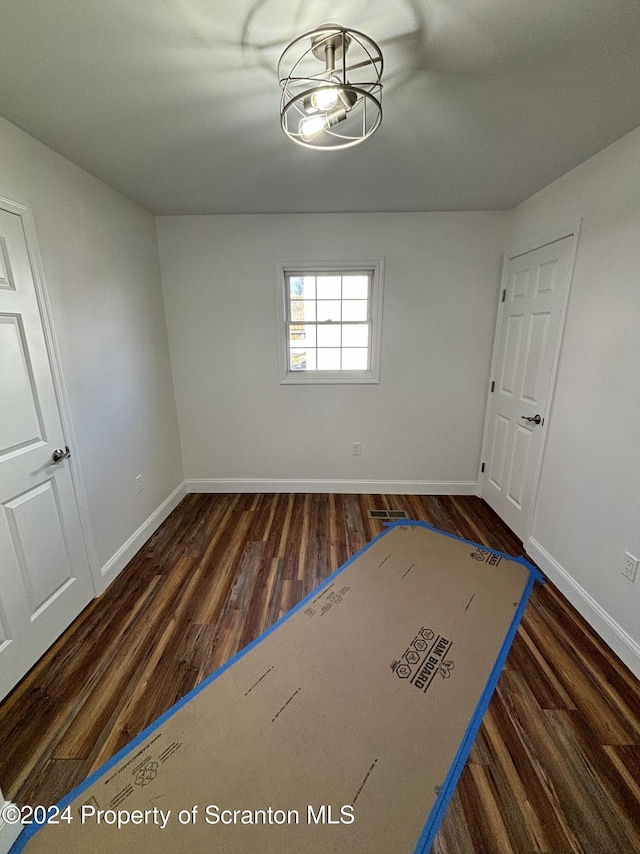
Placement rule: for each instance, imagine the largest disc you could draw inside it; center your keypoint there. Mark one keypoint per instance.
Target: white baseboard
(366, 487)
(8, 832)
(125, 553)
(624, 646)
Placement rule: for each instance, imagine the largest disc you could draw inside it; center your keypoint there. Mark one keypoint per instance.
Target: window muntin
(328, 320)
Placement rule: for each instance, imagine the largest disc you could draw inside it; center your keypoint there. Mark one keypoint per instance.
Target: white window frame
(372, 375)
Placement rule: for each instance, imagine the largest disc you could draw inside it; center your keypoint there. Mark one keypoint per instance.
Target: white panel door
(44, 574)
(529, 329)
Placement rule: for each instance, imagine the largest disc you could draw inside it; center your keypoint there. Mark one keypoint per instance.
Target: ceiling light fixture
(339, 106)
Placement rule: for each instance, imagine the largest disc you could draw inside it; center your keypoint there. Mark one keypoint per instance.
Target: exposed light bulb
(325, 99)
(311, 126)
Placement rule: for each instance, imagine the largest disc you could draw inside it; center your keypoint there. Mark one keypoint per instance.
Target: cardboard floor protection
(342, 729)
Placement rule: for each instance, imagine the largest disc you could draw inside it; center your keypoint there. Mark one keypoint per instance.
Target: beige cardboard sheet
(334, 733)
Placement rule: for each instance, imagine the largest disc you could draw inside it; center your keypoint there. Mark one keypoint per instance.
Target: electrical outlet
(356, 448)
(630, 567)
(139, 482)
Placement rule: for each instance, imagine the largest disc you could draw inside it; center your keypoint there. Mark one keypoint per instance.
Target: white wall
(588, 508)
(420, 428)
(100, 261)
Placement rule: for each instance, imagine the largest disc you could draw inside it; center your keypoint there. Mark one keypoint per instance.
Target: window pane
(329, 287)
(329, 336)
(355, 359)
(356, 335)
(354, 309)
(329, 310)
(330, 322)
(302, 287)
(329, 359)
(302, 334)
(355, 287)
(303, 310)
(301, 359)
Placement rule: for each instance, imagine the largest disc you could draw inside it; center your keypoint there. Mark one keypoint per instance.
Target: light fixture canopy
(338, 105)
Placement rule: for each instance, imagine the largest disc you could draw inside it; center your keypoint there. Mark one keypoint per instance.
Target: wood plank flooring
(555, 768)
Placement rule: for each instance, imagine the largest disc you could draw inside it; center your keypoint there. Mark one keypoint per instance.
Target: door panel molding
(46, 574)
(37, 269)
(574, 233)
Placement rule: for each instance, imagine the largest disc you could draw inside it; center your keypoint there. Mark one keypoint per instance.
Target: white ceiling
(176, 102)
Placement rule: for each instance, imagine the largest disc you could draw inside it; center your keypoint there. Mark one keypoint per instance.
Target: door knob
(59, 455)
(535, 418)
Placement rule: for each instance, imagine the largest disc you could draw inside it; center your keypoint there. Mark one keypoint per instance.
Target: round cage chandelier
(339, 105)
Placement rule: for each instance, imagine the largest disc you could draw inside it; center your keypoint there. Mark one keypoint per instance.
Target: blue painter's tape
(32, 829)
(438, 810)
(519, 559)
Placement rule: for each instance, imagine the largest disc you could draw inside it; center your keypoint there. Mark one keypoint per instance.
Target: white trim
(492, 370)
(8, 832)
(364, 487)
(126, 552)
(573, 232)
(64, 407)
(288, 377)
(545, 240)
(622, 644)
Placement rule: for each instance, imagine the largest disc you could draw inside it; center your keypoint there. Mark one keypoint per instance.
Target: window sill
(328, 378)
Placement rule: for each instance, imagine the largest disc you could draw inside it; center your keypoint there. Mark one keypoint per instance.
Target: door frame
(574, 233)
(53, 351)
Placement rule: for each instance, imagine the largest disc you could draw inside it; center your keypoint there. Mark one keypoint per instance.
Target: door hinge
(482, 469)
(493, 385)
(504, 295)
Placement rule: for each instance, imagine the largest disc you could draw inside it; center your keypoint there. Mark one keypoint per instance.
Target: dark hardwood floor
(555, 767)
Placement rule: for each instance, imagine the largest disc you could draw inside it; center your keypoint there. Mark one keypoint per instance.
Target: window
(330, 318)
